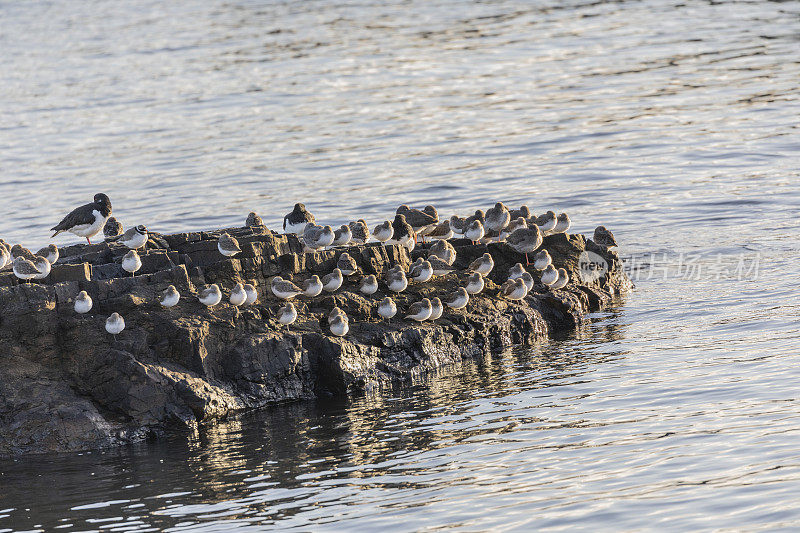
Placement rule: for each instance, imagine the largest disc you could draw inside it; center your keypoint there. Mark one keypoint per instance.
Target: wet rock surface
(66, 384)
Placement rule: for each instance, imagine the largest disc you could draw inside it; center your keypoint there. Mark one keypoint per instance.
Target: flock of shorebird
(518, 228)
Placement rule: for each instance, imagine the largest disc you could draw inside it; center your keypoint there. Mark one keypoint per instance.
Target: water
(674, 124)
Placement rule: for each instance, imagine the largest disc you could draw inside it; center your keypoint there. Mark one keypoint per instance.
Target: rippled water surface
(674, 124)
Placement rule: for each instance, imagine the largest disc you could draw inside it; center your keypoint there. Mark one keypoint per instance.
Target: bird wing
(76, 217)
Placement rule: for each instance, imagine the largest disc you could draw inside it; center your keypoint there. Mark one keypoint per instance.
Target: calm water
(674, 124)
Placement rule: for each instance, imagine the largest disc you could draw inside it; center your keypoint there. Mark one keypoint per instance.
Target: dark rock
(68, 385)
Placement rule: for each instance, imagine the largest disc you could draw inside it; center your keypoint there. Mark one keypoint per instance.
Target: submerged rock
(66, 384)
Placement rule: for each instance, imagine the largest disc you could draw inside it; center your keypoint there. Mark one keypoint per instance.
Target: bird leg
(87, 240)
(527, 261)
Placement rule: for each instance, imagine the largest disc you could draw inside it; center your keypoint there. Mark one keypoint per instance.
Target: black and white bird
(115, 324)
(227, 245)
(421, 272)
(474, 231)
(134, 238)
(317, 237)
(402, 232)
(169, 297)
(87, 220)
(50, 252)
(296, 221)
(83, 303)
(112, 229)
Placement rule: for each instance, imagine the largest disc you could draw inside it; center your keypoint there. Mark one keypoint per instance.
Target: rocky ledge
(66, 384)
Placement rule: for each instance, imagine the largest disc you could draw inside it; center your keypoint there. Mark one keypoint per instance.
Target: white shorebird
(603, 237)
(238, 295)
(421, 272)
(441, 231)
(331, 282)
(514, 225)
(169, 297)
(287, 314)
(475, 284)
(5, 256)
(318, 237)
(87, 220)
(383, 232)
(547, 222)
(368, 285)
(115, 324)
(83, 303)
(253, 220)
(312, 286)
(516, 271)
(541, 260)
(550, 275)
(562, 223)
(296, 221)
(396, 280)
(359, 232)
(131, 262)
(561, 282)
(24, 269)
(497, 217)
(387, 308)
(251, 292)
(528, 279)
(284, 289)
(440, 268)
(525, 241)
(227, 245)
(347, 264)
(340, 325)
(457, 299)
(444, 251)
(514, 289)
(42, 265)
(342, 236)
(482, 265)
(436, 309)
(420, 311)
(50, 252)
(474, 231)
(210, 295)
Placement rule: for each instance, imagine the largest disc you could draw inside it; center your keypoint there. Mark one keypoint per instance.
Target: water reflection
(280, 462)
